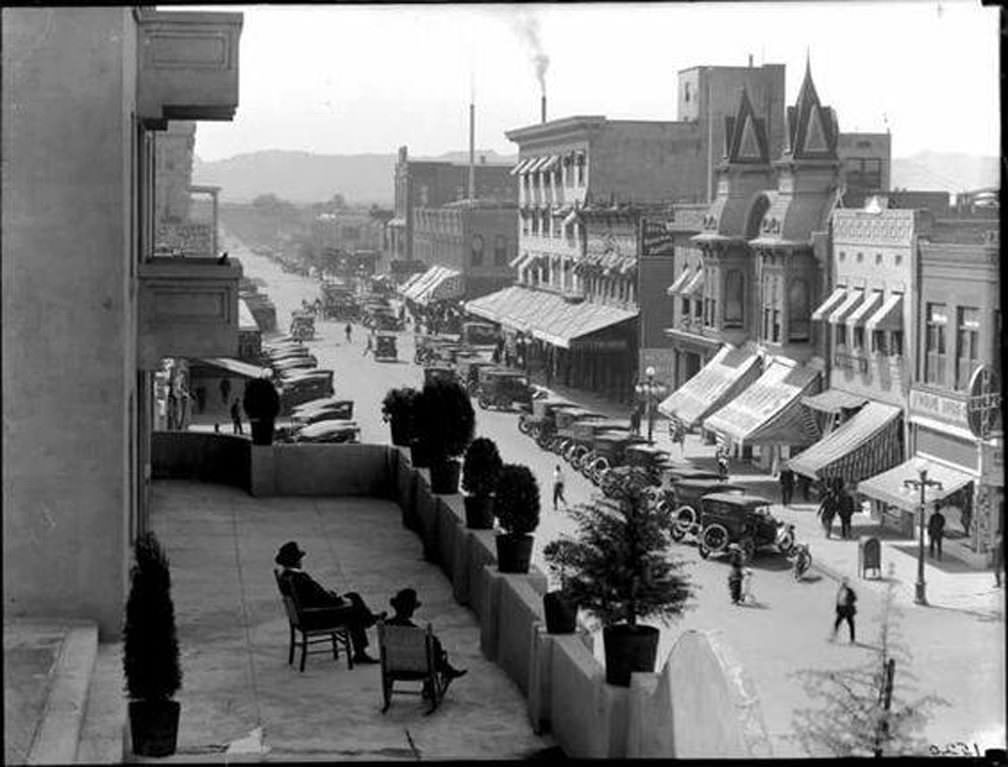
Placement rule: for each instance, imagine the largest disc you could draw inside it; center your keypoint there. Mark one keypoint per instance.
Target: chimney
(472, 150)
(543, 104)
(750, 61)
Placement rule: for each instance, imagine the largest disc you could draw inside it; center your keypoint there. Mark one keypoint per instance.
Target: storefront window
(896, 343)
(878, 342)
(697, 310)
(967, 344)
(798, 311)
(934, 360)
(686, 308)
(733, 301)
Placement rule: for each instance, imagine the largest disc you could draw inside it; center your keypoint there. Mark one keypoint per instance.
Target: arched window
(798, 311)
(734, 290)
(756, 213)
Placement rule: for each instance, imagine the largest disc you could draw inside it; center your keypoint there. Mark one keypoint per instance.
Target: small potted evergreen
(262, 404)
(622, 573)
(560, 611)
(151, 653)
(480, 468)
(516, 506)
(446, 423)
(397, 412)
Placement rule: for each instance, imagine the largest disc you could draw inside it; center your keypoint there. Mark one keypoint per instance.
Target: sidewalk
(239, 697)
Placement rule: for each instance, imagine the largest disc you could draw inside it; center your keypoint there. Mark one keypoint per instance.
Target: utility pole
(920, 592)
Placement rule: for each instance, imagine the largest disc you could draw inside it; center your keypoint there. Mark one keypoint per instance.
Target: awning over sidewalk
(865, 309)
(410, 282)
(889, 316)
(676, 287)
(851, 300)
(833, 401)
(888, 486)
(869, 442)
(545, 314)
(446, 283)
(770, 410)
(827, 306)
(728, 372)
(237, 367)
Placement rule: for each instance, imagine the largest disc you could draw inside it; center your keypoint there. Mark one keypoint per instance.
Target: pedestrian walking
(236, 421)
(936, 531)
(349, 332)
(736, 576)
(635, 416)
(845, 608)
(558, 487)
(722, 460)
(370, 345)
(998, 558)
(845, 510)
(786, 484)
(827, 511)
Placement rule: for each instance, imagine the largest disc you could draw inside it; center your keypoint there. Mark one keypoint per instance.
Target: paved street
(958, 654)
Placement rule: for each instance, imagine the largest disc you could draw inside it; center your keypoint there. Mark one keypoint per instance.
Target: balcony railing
(188, 65)
(188, 308)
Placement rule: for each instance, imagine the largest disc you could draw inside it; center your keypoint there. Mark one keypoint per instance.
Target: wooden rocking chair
(407, 655)
(315, 625)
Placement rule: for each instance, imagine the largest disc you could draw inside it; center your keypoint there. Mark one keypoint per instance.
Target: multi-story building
(433, 183)
(173, 149)
(347, 231)
(866, 165)
(955, 393)
(471, 239)
(78, 406)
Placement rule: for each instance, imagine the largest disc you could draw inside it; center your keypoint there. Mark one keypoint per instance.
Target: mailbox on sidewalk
(869, 555)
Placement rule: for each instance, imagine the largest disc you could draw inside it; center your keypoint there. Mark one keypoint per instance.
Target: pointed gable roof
(745, 135)
(812, 128)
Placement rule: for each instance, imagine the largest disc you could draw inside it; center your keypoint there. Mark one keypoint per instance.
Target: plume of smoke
(527, 27)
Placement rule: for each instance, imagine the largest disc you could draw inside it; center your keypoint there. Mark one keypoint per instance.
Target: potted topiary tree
(480, 468)
(516, 506)
(446, 423)
(262, 404)
(560, 611)
(397, 412)
(622, 573)
(150, 652)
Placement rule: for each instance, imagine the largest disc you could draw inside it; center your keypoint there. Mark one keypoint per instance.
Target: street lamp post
(650, 391)
(920, 588)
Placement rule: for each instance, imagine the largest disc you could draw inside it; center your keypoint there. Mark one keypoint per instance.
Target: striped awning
(829, 304)
(866, 444)
(889, 316)
(865, 309)
(888, 486)
(834, 401)
(426, 281)
(695, 285)
(676, 287)
(413, 279)
(727, 373)
(850, 302)
(521, 166)
(535, 164)
(550, 161)
(444, 284)
(770, 411)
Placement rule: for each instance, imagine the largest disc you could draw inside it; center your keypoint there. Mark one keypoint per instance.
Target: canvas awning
(833, 401)
(520, 167)
(246, 320)
(865, 309)
(770, 410)
(422, 284)
(728, 372)
(410, 282)
(830, 303)
(889, 316)
(867, 443)
(888, 486)
(676, 287)
(535, 164)
(239, 368)
(695, 285)
(447, 284)
(546, 315)
(850, 302)
(518, 262)
(549, 163)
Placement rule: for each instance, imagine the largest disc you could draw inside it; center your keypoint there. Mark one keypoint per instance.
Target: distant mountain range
(304, 177)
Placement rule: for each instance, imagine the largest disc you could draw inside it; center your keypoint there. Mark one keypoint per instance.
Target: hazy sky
(355, 79)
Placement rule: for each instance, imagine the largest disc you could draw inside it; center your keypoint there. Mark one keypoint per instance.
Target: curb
(58, 733)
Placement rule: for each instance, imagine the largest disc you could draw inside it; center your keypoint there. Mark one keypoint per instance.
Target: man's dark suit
(349, 610)
(440, 656)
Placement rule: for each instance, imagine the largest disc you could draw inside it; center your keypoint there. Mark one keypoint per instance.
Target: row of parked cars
(719, 516)
(307, 396)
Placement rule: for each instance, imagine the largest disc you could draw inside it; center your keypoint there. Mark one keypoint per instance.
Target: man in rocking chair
(405, 604)
(309, 593)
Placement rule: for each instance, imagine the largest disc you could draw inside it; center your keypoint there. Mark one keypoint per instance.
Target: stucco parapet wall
(890, 226)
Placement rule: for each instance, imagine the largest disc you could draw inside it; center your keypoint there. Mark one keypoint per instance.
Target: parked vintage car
(385, 347)
(503, 389)
(439, 373)
(328, 431)
(342, 412)
(302, 326)
(304, 387)
(727, 518)
(683, 498)
(296, 352)
(324, 403)
(287, 367)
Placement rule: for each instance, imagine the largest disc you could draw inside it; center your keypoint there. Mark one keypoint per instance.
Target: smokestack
(472, 150)
(543, 103)
(750, 60)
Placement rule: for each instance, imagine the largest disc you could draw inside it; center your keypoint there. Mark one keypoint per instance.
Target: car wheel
(703, 551)
(685, 518)
(484, 403)
(523, 425)
(715, 538)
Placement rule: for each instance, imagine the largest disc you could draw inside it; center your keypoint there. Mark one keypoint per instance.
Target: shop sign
(983, 408)
(656, 240)
(948, 409)
(992, 464)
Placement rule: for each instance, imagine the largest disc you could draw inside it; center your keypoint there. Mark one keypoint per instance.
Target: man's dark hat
(405, 600)
(289, 554)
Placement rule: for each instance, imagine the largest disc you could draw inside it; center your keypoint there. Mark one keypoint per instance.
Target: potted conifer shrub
(150, 652)
(262, 404)
(446, 423)
(397, 412)
(480, 469)
(560, 611)
(516, 506)
(622, 573)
